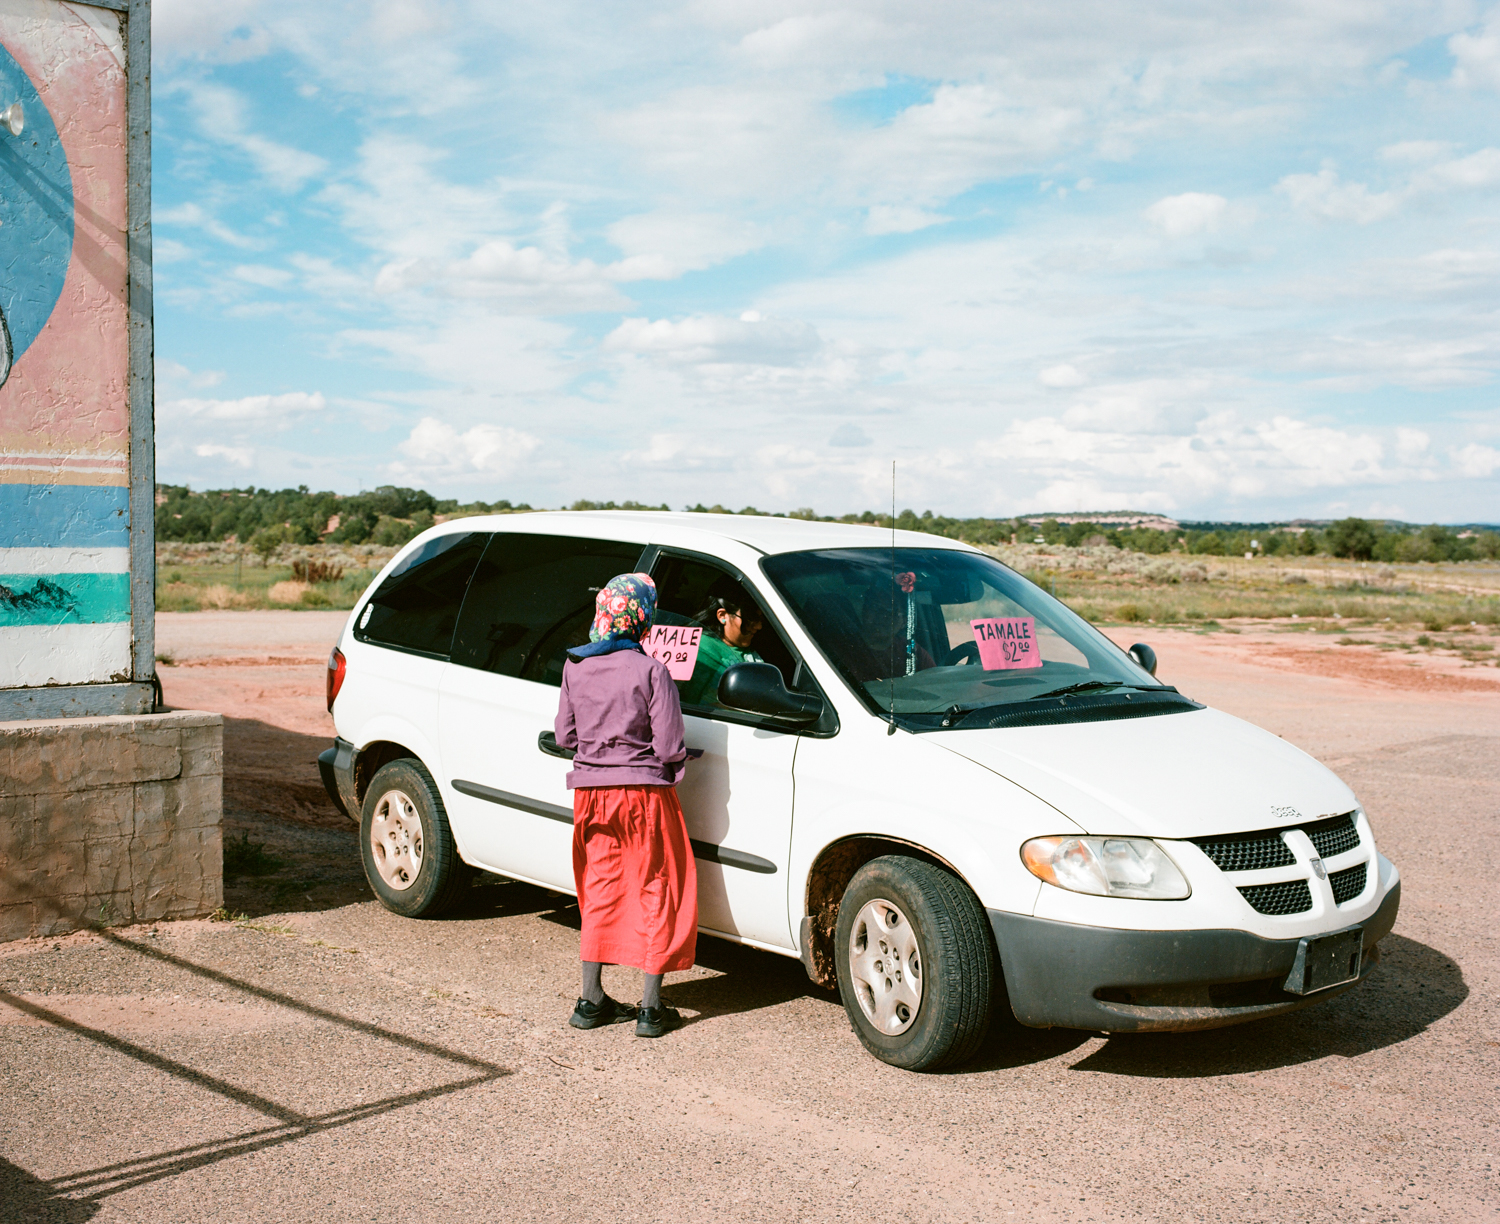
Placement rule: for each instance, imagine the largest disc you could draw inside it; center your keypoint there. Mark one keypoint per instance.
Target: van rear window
(532, 597)
(416, 607)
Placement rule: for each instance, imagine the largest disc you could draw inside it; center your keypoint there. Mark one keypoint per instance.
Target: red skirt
(637, 882)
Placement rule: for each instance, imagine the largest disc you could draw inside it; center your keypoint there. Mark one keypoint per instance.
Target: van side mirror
(1143, 655)
(757, 688)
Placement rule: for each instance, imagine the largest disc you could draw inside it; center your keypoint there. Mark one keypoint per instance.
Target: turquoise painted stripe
(64, 599)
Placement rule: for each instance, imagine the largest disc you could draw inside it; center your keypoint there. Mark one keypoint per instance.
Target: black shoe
(655, 1021)
(588, 1015)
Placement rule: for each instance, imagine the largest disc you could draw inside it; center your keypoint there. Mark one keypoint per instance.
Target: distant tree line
(264, 519)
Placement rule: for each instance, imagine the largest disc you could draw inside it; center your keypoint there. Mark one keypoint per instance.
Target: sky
(1211, 259)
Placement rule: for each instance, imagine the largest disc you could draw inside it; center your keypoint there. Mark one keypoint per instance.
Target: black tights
(593, 986)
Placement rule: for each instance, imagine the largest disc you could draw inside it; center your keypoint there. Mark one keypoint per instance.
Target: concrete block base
(110, 820)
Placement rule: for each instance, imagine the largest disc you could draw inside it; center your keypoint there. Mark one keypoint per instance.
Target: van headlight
(1106, 867)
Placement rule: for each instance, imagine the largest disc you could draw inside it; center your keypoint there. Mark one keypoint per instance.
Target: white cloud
(172, 376)
(169, 250)
(1481, 169)
(1236, 457)
(716, 340)
(849, 435)
(266, 277)
(1327, 196)
(436, 450)
(1476, 462)
(681, 453)
(518, 362)
(240, 456)
(250, 410)
(663, 245)
(1411, 445)
(900, 219)
(223, 115)
(1193, 212)
(197, 217)
(1324, 195)
(396, 203)
(968, 133)
(226, 30)
(524, 278)
(1477, 56)
(1416, 151)
(1060, 376)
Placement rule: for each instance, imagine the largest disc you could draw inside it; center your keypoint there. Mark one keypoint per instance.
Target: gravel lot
(327, 1060)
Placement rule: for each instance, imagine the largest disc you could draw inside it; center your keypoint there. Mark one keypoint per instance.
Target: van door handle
(547, 742)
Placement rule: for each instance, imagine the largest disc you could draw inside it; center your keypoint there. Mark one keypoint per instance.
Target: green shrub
(267, 540)
(1352, 537)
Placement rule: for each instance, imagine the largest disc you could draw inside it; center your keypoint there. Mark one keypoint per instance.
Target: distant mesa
(1108, 518)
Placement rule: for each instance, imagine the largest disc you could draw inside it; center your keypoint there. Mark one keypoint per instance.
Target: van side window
(532, 597)
(416, 606)
(683, 585)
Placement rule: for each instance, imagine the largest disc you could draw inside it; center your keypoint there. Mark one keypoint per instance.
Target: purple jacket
(621, 712)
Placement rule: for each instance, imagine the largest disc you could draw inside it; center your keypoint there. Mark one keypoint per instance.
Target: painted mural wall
(64, 359)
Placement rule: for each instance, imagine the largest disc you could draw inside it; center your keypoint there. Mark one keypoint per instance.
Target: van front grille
(1349, 883)
(1267, 848)
(1288, 897)
(1333, 836)
(1247, 852)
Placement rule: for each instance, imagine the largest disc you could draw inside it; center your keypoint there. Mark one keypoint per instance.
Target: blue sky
(1222, 261)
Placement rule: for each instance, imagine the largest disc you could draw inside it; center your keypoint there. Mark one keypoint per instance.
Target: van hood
(1193, 774)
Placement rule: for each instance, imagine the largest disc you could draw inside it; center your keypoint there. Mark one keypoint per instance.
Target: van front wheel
(410, 858)
(915, 962)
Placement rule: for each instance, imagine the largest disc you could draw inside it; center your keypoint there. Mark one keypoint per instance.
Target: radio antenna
(891, 726)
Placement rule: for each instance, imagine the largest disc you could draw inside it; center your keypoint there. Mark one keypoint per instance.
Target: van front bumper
(1061, 974)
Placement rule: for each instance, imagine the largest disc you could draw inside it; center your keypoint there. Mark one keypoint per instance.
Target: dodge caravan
(936, 774)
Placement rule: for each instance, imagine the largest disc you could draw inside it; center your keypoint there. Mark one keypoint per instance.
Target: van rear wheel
(916, 964)
(410, 858)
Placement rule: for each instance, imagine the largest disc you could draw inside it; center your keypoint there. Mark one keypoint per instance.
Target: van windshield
(942, 633)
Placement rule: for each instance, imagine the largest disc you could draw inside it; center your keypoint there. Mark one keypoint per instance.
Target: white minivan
(935, 775)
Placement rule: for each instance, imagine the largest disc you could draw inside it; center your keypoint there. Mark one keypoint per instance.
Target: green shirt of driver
(715, 657)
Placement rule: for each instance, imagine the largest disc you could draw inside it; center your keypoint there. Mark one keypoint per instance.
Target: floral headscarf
(624, 609)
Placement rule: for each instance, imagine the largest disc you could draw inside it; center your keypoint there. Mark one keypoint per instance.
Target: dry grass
(194, 577)
(220, 596)
(288, 592)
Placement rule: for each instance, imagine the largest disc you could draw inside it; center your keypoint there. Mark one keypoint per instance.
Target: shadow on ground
(26, 1200)
(286, 847)
(75, 1196)
(274, 772)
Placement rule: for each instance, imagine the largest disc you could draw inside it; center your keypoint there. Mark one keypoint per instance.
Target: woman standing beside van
(632, 862)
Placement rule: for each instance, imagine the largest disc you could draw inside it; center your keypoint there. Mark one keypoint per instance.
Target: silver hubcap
(396, 840)
(886, 965)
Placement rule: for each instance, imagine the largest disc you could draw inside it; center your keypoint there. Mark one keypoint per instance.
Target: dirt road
(326, 1060)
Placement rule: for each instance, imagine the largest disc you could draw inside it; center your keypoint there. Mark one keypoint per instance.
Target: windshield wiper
(954, 715)
(1083, 686)
(1096, 686)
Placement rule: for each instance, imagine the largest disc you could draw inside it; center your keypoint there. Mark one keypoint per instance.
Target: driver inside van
(730, 622)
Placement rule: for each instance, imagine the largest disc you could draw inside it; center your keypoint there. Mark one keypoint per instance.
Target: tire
(409, 854)
(916, 963)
